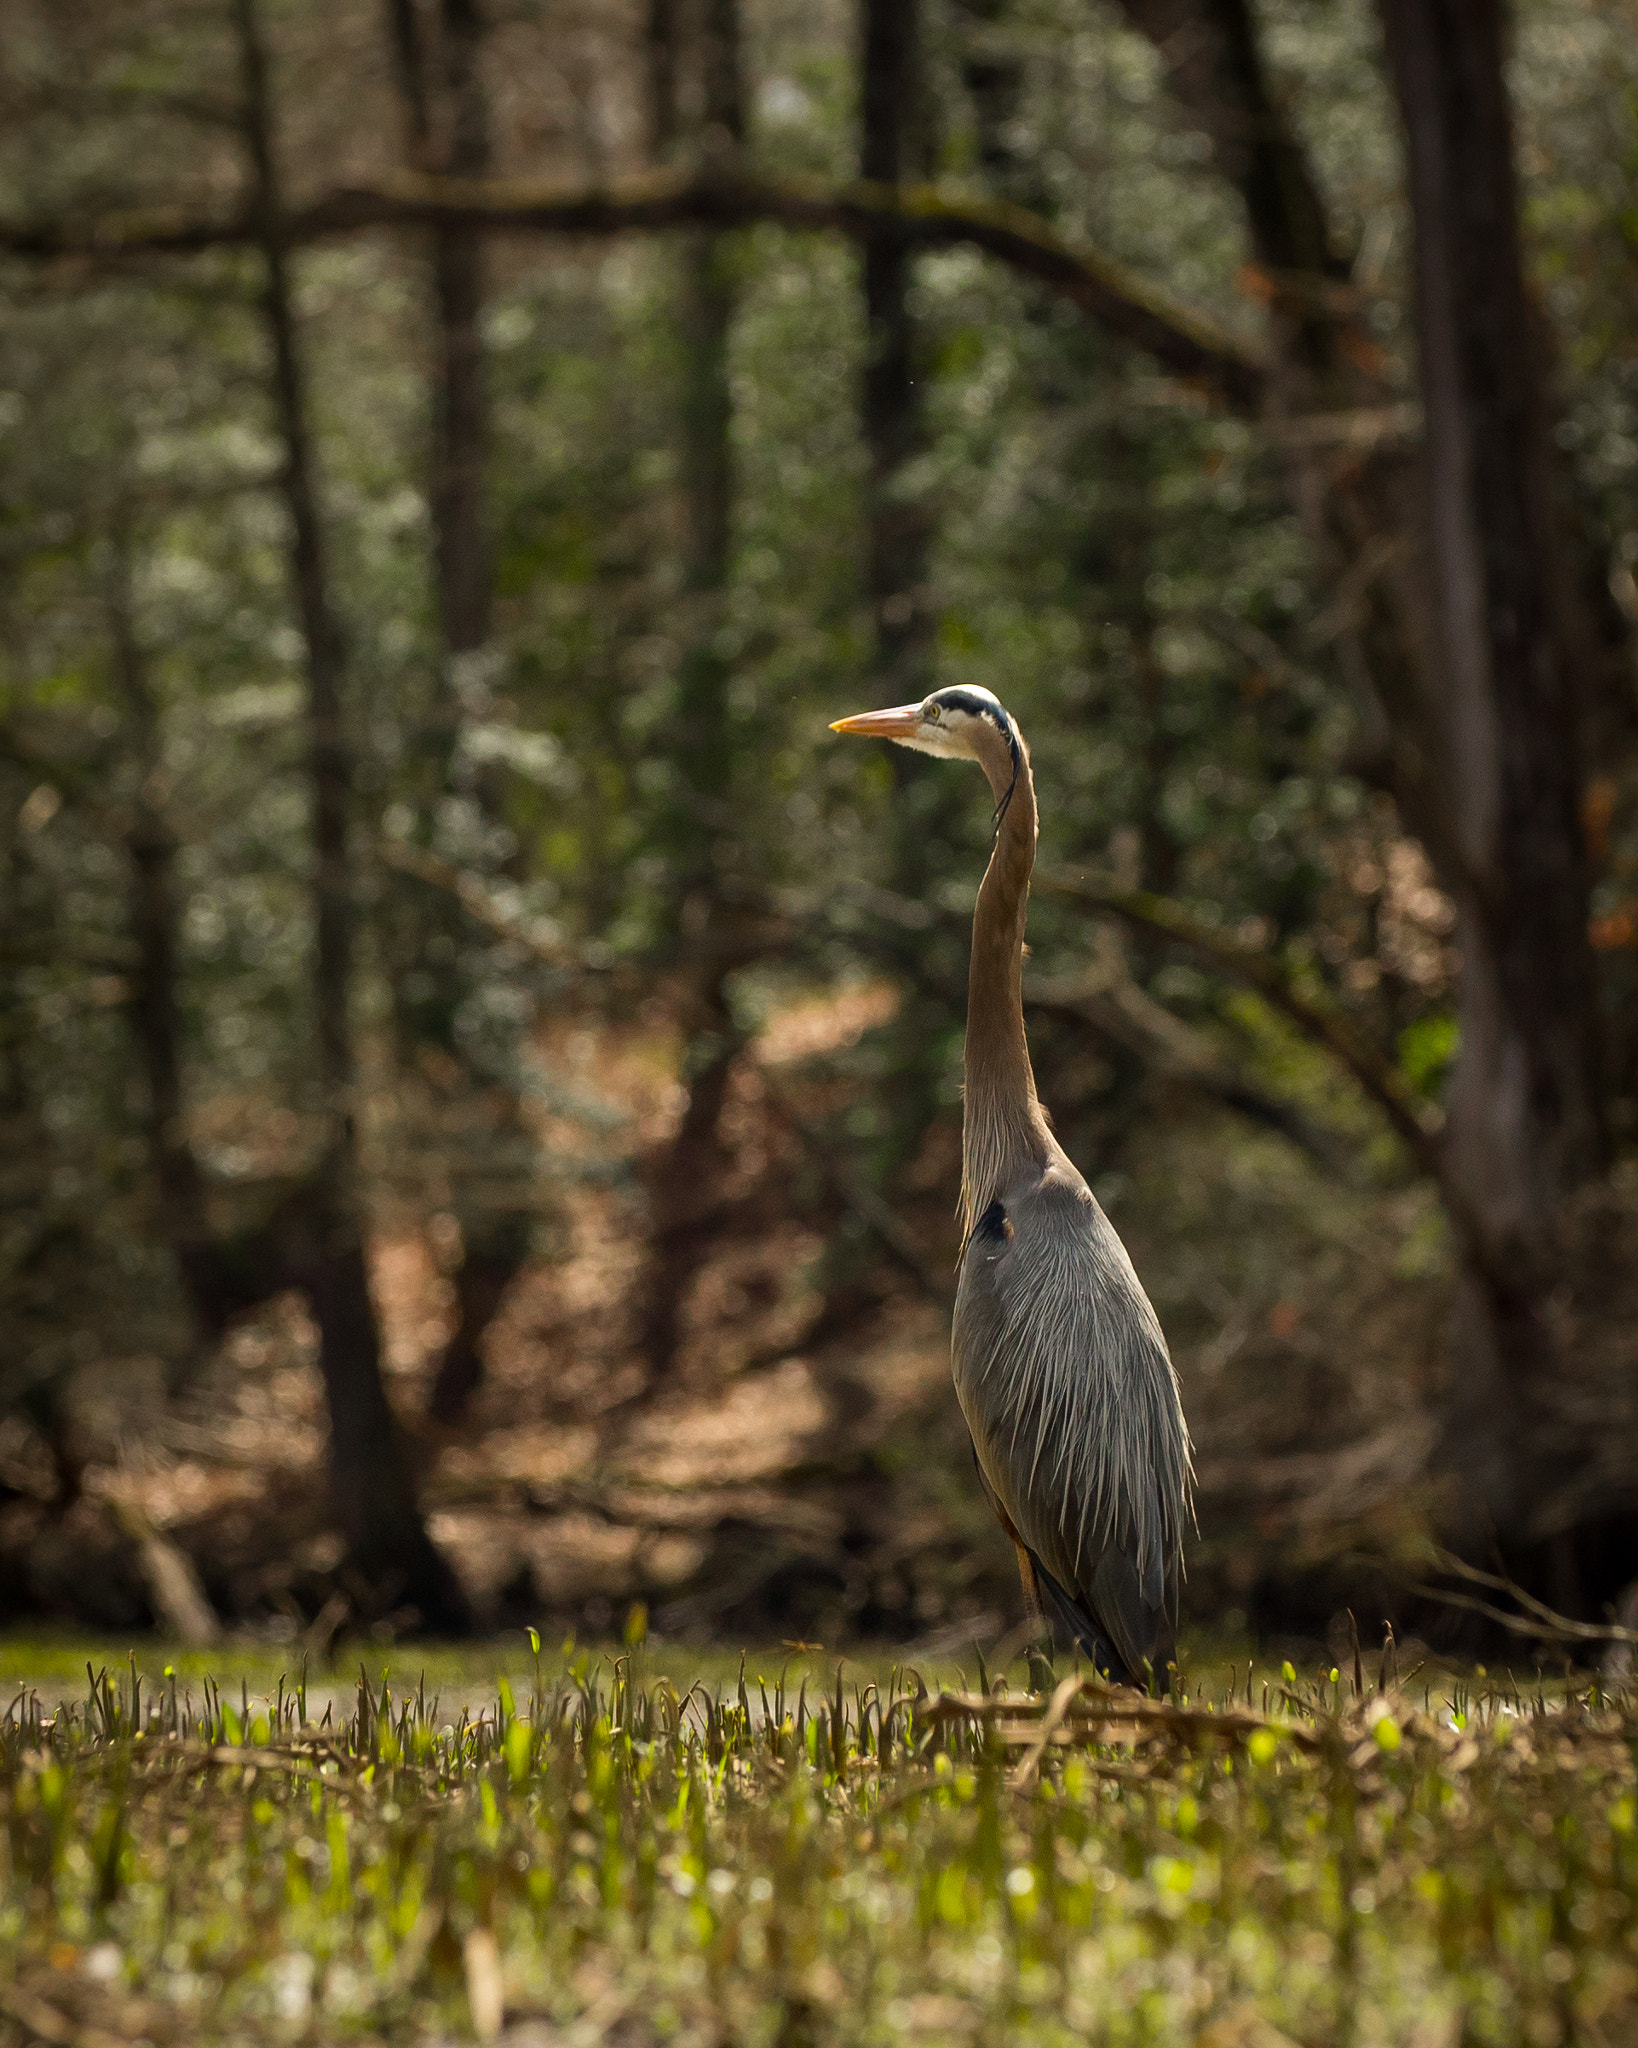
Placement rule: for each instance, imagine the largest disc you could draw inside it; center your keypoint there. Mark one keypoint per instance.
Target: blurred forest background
(479, 1063)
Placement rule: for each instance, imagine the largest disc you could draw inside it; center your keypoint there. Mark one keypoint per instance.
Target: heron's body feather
(1060, 1365)
(1063, 1376)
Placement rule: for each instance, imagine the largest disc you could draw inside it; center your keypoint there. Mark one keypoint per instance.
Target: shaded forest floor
(803, 1471)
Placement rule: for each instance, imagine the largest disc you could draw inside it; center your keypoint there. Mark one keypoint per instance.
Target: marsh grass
(598, 1854)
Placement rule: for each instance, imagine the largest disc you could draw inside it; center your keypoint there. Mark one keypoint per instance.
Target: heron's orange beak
(903, 722)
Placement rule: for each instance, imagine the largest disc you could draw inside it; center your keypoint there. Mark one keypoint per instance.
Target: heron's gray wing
(1064, 1378)
(1085, 1630)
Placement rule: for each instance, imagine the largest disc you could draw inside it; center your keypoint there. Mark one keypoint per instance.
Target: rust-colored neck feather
(1003, 1128)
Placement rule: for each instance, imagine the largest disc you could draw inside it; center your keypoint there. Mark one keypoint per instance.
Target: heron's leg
(1040, 1667)
(1041, 1677)
(1033, 1605)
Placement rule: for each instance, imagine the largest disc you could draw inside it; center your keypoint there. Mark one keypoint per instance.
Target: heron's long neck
(1003, 1128)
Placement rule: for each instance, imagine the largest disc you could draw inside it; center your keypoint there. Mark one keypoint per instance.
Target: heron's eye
(932, 713)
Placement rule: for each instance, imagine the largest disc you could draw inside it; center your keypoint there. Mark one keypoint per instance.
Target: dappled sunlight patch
(825, 1022)
(413, 1298)
(904, 1360)
(527, 1456)
(755, 1428)
(753, 1298)
(578, 1553)
(178, 1492)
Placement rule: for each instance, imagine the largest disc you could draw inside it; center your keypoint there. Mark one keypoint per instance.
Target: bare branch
(1185, 341)
(1119, 1010)
(1538, 1619)
(1417, 1121)
(857, 1195)
(476, 900)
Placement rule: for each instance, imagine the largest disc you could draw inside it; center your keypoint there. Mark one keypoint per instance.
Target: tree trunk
(898, 542)
(223, 1275)
(1525, 1115)
(155, 1011)
(1216, 69)
(394, 1562)
(685, 1206)
(461, 424)
(1460, 646)
(433, 941)
(661, 36)
(898, 530)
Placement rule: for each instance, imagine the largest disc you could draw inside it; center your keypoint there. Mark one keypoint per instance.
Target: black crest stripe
(958, 699)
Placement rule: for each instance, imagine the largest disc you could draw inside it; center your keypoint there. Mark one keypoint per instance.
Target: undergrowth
(1325, 1860)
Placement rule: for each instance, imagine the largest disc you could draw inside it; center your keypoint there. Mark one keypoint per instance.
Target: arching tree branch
(1417, 1121)
(1184, 340)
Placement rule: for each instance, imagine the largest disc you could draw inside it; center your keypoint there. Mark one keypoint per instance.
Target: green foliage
(1427, 1050)
(837, 1864)
(1126, 570)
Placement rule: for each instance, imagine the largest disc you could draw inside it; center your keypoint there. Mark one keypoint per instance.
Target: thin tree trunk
(461, 427)
(37, 1394)
(898, 530)
(494, 1232)
(661, 38)
(224, 1276)
(1158, 849)
(406, 40)
(13, 1001)
(373, 1484)
(1525, 1123)
(898, 541)
(685, 1180)
(155, 1011)
(894, 149)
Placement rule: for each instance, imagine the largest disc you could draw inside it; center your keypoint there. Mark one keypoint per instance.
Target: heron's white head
(962, 723)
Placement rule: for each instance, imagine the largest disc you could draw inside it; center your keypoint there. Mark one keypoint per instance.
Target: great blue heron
(1059, 1362)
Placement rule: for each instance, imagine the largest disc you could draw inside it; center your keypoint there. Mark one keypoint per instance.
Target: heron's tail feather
(1111, 1623)
(1084, 1632)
